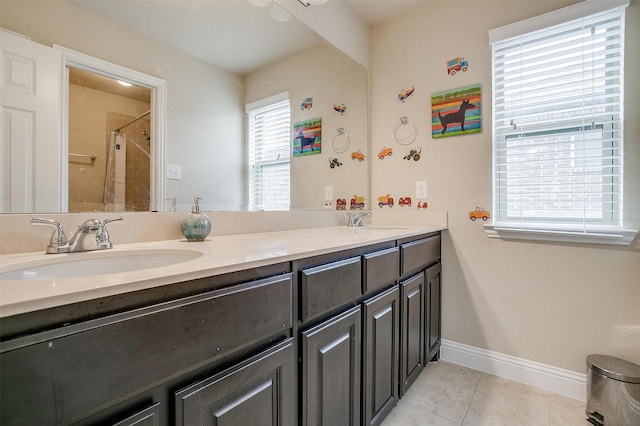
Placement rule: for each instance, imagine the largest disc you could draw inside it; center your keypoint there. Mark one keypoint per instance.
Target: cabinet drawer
(81, 369)
(380, 269)
(329, 286)
(417, 255)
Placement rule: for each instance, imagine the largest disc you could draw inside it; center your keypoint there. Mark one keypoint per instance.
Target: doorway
(109, 143)
(141, 122)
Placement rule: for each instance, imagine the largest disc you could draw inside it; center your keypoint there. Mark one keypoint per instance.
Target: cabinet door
(331, 371)
(258, 391)
(148, 417)
(380, 355)
(412, 330)
(433, 304)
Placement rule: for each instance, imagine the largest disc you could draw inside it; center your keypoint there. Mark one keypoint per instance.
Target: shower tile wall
(137, 181)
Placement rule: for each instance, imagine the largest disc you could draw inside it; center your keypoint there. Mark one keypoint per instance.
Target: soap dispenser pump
(196, 226)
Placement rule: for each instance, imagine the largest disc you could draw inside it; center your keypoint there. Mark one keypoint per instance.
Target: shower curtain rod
(133, 121)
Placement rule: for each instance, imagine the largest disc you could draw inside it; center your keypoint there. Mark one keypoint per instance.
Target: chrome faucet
(80, 240)
(355, 219)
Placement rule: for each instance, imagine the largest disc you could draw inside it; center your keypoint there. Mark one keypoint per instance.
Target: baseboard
(547, 377)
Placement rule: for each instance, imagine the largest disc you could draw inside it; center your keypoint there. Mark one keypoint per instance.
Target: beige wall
(205, 105)
(546, 302)
(329, 77)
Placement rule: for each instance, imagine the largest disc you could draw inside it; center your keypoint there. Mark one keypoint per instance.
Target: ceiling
(375, 11)
(217, 31)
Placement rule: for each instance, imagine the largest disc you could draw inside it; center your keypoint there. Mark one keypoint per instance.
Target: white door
(31, 154)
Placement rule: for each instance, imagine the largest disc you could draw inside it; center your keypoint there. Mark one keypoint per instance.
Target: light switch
(174, 171)
(421, 189)
(328, 193)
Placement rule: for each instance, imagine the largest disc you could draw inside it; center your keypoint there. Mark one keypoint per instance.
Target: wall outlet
(421, 189)
(328, 193)
(174, 171)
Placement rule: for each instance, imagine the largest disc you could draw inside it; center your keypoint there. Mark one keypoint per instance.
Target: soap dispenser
(196, 226)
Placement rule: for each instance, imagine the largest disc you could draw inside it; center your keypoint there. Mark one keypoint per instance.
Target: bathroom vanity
(330, 334)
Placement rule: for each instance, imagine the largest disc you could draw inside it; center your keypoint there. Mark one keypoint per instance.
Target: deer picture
(455, 117)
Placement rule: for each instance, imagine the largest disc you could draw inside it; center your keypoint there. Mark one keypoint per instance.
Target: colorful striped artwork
(307, 137)
(456, 112)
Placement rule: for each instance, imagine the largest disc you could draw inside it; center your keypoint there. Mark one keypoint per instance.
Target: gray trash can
(613, 391)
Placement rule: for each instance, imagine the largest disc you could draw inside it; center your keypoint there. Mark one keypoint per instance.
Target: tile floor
(447, 394)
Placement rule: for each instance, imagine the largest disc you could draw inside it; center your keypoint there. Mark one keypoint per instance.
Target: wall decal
(340, 108)
(456, 112)
(357, 155)
(306, 104)
(479, 213)
(385, 152)
(402, 96)
(357, 202)
(307, 137)
(404, 201)
(457, 64)
(413, 154)
(333, 162)
(385, 200)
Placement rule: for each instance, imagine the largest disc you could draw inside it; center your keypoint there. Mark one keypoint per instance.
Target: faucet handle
(102, 238)
(58, 238)
(113, 219)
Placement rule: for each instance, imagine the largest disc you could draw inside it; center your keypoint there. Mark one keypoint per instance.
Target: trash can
(613, 391)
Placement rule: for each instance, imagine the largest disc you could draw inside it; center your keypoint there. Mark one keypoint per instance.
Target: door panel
(31, 147)
(412, 330)
(331, 371)
(258, 391)
(380, 342)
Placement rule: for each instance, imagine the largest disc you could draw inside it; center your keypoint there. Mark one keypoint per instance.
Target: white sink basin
(56, 266)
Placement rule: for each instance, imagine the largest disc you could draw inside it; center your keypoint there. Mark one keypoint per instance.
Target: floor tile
(447, 394)
(491, 410)
(406, 414)
(451, 373)
(437, 396)
(564, 411)
(515, 393)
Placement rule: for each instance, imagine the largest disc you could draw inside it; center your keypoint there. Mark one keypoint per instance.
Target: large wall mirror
(202, 133)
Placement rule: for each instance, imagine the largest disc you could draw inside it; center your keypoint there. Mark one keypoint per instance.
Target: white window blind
(557, 126)
(268, 151)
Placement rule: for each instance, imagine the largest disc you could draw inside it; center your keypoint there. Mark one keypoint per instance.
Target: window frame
(583, 230)
(283, 157)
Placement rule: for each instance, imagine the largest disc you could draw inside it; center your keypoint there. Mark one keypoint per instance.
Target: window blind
(268, 162)
(558, 126)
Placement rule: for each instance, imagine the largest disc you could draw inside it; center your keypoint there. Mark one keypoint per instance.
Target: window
(557, 126)
(268, 153)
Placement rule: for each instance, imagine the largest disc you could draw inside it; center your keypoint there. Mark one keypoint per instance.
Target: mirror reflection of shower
(99, 106)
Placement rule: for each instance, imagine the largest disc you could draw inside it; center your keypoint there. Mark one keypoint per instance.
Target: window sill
(621, 237)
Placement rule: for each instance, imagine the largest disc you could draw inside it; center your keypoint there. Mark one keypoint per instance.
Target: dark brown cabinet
(148, 417)
(433, 303)
(380, 355)
(258, 391)
(83, 372)
(331, 371)
(412, 327)
(334, 339)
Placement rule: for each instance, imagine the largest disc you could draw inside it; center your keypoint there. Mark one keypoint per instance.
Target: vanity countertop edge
(220, 255)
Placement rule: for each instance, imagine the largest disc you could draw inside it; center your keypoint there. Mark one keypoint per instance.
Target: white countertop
(219, 255)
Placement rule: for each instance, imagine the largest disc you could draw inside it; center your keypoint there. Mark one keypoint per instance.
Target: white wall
(205, 105)
(544, 302)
